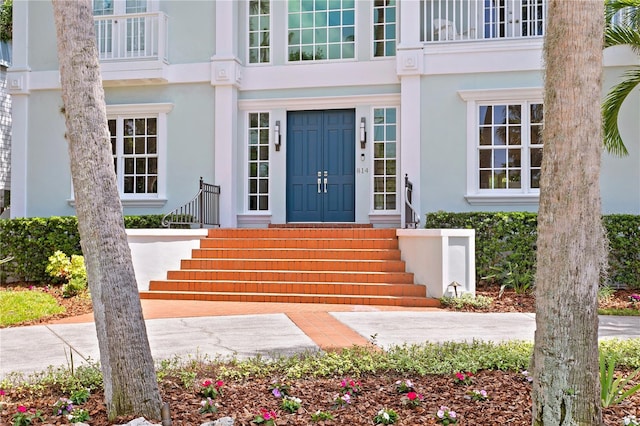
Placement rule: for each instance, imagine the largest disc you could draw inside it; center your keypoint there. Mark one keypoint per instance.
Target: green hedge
(507, 242)
(31, 241)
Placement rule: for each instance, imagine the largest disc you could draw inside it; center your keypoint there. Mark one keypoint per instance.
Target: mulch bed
(509, 401)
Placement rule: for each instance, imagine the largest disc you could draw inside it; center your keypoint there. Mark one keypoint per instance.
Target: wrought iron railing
(203, 210)
(411, 216)
(459, 20)
(132, 36)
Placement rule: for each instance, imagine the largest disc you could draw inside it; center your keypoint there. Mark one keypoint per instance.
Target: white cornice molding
(318, 75)
(319, 102)
(151, 108)
(495, 95)
(502, 199)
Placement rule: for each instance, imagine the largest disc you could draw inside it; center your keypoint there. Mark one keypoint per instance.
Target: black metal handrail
(202, 210)
(411, 216)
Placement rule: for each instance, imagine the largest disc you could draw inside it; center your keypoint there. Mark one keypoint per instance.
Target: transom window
(321, 29)
(384, 158)
(258, 161)
(384, 28)
(134, 146)
(509, 146)
(259, 31)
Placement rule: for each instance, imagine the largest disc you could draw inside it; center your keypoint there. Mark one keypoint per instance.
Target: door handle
(319, 182)
(325, 181)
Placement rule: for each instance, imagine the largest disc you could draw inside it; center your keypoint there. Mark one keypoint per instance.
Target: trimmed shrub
(506, 242)
(30, 241)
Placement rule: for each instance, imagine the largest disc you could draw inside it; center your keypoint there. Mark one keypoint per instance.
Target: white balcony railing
(134, 36)
(455, 20)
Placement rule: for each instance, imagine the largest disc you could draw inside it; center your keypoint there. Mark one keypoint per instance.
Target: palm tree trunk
(130, 385)
(571, 242)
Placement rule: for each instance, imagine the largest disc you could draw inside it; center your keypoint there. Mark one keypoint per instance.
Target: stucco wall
(444, 144)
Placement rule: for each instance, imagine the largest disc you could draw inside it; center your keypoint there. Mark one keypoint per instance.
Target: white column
(410, 65)
(226, 74)
(226, 139)
(18, 85)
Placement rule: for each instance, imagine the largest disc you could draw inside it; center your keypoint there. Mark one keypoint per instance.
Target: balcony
(133, 36)
(455, 20)
(132, 47)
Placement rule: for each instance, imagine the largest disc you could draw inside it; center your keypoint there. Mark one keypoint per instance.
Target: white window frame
(474, 99)
(384, 40)
(372, 141)
(356, 6)
(247, 164)
(158, 111)
(270, 31)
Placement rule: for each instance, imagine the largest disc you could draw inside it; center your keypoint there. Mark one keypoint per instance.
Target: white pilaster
(410, 22)
(18, 85)
(226, 75)
(410, 66)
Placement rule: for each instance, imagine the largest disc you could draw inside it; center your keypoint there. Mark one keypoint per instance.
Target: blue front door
(321, 166)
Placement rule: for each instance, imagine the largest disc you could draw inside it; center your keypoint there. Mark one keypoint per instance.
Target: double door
(321, 166)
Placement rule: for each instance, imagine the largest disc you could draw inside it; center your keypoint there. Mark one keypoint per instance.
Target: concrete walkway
(226, 329)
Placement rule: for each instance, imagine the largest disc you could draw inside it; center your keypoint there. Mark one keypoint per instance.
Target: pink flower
(460, 376)
(412, 396)
(22, 409)
(268, 415)
(206, 383)
(219, 383)
(2, 392)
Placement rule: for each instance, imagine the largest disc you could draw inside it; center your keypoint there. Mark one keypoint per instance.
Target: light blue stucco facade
(201, 90)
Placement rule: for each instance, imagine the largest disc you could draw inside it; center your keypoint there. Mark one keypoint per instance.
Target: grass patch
(19, 306)
(626, 312)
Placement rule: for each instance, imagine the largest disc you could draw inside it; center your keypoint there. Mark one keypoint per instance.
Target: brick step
(369, 289)
(303, 243)
(299, 264)
(292, 276)
(306, 265)
(296, 253)
(293, 298)
(303, 233)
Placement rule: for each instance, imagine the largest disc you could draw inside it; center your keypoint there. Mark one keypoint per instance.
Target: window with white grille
(385, 133)
(259, 31)
(384, 28)
(321, 29)
(258, 161)
(138, 138)
(134, 146)
(504, 145)
(509, 146)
